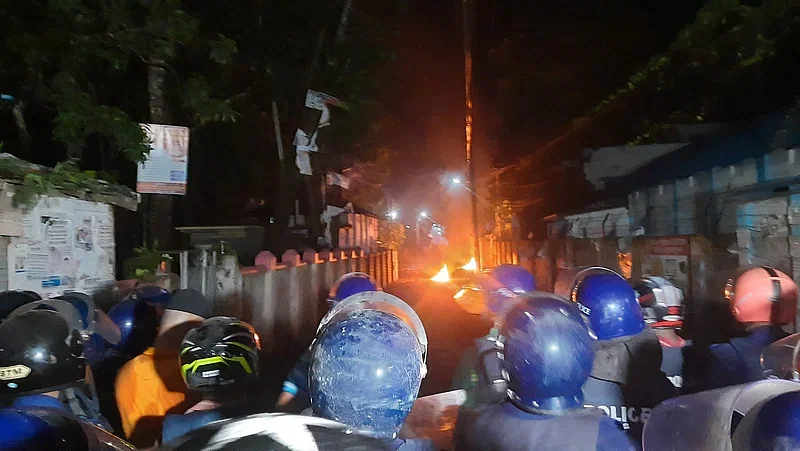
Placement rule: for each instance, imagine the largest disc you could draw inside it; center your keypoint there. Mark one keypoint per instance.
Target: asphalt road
(450, 329)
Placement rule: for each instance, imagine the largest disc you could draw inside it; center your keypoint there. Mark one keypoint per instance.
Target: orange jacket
(149, 387)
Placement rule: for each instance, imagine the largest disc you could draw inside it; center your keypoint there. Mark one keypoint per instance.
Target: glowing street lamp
(393, 214)
(423, 215)
(456, 181)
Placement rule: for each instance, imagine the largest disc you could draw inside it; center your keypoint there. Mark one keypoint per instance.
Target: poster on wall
(166, 168)
(66, 244)
(668, 258)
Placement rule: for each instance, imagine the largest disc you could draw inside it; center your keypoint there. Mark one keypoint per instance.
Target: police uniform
(505, 427)
(479, 372)
(626, 381)
(672, 357)
(296, 382)
(739, 360)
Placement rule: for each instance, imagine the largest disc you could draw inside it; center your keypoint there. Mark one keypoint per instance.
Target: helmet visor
(95, 320)
(385, 302)
(81, 314)
(780, 359)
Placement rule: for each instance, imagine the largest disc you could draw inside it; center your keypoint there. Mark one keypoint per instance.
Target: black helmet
(10, 300)
(40, 351)
(222, 351)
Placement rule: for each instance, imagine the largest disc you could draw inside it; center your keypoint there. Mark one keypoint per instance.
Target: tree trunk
(159, 227)
(22, 129)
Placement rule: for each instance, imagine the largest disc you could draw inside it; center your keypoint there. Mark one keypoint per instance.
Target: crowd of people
(590, 367)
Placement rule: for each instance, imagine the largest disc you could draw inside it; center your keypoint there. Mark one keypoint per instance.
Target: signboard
(166, 168)
(66, 244)
(669, 258)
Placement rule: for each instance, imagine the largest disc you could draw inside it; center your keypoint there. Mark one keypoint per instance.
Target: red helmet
(762, 295)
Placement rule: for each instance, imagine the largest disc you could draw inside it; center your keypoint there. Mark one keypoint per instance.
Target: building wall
(362, 232)
(57, 245)
(4, 242)
(709, 202)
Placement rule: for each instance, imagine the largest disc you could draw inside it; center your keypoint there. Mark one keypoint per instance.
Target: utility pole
(469, 27)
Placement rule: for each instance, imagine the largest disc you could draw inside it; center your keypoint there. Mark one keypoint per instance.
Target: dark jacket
(504, 427)
(627, 381)
(739, 360)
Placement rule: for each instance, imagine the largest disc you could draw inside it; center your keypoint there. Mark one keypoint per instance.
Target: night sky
(566, 56)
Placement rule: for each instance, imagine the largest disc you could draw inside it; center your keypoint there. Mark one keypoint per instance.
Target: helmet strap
(775, 298)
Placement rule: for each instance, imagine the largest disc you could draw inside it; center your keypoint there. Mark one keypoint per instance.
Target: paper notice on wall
(67, 244)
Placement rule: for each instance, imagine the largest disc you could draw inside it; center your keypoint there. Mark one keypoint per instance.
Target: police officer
(762, 299)
(41, 357)
(662, 307)
(294, 394)
(547, 357)
(367, 364)
(219, 359)
(626, 380)
(479, 371)
(39, 428)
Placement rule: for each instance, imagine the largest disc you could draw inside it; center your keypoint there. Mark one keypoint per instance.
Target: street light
(393, 214)
(422, 215)
(456, 181)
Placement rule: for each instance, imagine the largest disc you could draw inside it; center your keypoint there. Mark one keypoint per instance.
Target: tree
(733, 62)
(391, 234)
(77, 59)
(70, 56)
(734, 50)
(95, 69)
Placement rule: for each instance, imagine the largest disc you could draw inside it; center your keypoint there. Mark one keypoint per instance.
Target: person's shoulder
(134, 365)
(721, 350)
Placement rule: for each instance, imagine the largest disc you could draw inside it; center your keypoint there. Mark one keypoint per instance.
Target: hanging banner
(166, 169)
(338, 180)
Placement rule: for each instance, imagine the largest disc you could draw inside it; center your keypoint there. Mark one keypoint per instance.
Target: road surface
(450, 329)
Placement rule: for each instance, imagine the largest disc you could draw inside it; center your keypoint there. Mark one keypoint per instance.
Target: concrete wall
(708, 202)
(4, 242)
(285, 300)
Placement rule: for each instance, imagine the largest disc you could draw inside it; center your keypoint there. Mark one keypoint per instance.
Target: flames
(471, 266)
(443, 276)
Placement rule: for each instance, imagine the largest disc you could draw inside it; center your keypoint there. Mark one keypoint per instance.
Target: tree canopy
(734, 61)
(77, 79)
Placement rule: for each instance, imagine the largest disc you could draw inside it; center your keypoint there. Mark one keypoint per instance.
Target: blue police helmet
(609, 303)
(504, 285)
(547, 354)
(514, 278)
(777, 424)
(152, 294)
(98, 328)
(45, 401)
(366, 368)
(350, 284)
(138, 324)
(40, 428)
